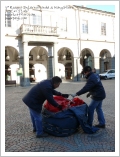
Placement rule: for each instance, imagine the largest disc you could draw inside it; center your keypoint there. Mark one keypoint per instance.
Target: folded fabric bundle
(66, 122)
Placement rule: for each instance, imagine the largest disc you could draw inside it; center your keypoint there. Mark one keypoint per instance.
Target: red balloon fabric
(64, 102)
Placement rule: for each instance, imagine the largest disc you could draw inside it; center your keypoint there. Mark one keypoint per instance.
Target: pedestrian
(35, 98)
(96, 90)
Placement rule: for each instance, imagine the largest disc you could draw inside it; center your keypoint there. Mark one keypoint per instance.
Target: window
(53, 21)
(8, 19)
(36, 20)
(63, 24)
(85, 26)
(103, 28)
(112, 71)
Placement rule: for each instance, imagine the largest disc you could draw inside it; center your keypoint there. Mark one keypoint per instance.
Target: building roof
(82, 7)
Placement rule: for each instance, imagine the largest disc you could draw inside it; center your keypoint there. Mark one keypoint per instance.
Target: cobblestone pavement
(18, 128)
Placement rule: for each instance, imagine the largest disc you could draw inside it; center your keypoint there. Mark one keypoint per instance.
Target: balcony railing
(36, 29)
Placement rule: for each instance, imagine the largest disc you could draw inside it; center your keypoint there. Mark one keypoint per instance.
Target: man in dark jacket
(97, 92)
(35, 98)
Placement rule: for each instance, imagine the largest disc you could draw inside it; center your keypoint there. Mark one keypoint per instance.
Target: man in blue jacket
(97, 92)
(35, 98)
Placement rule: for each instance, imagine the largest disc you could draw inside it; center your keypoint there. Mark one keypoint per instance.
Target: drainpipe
(79, 34)
(79, 31)
(77, 26)
(79, 40)
(77, 43)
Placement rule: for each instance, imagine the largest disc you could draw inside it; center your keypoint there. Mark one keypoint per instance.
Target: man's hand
(88, 95)
(60, 107)
(73, 95)
(65, 95)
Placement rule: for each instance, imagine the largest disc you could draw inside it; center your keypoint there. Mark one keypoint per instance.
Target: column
(113, 62)
(75, 69)
(79, 70)
(55, 66)
(50, 62)
(97, 64)
(25, 81)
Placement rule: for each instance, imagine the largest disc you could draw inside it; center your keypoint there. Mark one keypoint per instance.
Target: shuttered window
(103, 28)
(63, 24)
(84, 26)
(37, 20)
(8, 19)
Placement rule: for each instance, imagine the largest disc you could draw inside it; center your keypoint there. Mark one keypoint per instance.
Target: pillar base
(77, 78)
(25, 82)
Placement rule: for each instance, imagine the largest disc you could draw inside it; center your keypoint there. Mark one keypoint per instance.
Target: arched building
(52, 42)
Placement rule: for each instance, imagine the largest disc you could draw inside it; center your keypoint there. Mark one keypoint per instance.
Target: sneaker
(42, 135)
(100, 126)
(34, 130)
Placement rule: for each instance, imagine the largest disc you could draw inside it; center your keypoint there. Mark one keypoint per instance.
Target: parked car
(108, 74)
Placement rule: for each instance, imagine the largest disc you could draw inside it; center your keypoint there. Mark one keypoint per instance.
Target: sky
(100, 5)
(109, 8)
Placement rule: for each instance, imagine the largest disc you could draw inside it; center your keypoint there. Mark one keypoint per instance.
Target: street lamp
(8, 57)
(104, 57)
(64, 56)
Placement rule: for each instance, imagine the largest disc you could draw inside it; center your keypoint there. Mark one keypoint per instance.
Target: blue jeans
(36, 121)
(98, 106)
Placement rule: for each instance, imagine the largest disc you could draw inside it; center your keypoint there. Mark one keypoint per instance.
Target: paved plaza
(18, 128)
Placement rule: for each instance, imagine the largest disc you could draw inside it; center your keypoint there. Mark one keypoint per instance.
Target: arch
(86, 51)
(87, 57)
(103, 52)
(38, 63)
(38, 50)
(65, 57)
(11, 63)
(12, 52)
(105, 60)
(65, 53)
(63, 50)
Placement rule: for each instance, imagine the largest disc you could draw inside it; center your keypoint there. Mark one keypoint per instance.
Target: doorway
(105, 66)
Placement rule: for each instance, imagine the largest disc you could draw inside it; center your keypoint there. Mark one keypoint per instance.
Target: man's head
(56, 81)
(87, 70)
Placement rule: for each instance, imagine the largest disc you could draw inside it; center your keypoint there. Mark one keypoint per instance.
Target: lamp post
(38, 57)
(8, 58)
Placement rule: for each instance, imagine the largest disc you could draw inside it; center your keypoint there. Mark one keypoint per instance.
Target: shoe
(34, 130)
(100, 126)
(42, 135)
